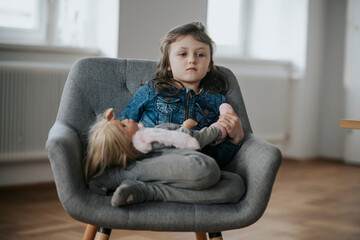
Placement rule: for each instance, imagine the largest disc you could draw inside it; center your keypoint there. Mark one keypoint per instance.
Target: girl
(186, 85)
(118, 143)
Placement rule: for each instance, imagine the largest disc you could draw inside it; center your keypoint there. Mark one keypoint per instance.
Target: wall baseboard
(28, 187)
(306, 159)
(12, 174)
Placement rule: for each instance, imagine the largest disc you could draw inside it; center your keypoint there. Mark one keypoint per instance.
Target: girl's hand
(231, 122)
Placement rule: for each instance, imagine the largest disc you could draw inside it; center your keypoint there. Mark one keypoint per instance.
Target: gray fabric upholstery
(95, 84)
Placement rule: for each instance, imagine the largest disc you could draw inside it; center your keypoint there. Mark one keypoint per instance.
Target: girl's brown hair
(214, 82)
(108, 146)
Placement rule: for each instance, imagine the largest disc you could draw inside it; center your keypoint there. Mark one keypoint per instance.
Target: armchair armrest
(257, 162)
(65, 155)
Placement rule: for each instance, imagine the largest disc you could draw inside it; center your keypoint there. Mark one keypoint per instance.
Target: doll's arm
(189, 123)
(205, 136)
(152, 139)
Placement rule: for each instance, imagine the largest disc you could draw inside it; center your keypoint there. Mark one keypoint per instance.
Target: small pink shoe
(224, 108)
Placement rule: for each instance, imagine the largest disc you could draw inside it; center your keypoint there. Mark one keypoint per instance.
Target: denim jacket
(153, 109)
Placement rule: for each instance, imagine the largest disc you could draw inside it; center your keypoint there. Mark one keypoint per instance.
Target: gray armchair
(95, 84)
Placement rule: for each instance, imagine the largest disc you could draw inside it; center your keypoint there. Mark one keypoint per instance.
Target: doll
(118, 143)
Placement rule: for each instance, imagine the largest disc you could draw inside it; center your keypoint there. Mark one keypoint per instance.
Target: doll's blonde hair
(108, 146)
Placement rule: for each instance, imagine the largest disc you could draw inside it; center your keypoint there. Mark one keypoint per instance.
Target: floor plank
(310, 200)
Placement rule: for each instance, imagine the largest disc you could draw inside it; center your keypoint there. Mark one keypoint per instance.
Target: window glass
(260, 29)
(224, 21)
(278, 30)
(75, 23)
(69, 23)
(23, 14)
(23, 21)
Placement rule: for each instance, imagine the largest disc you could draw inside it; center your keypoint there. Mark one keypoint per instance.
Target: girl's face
(189, 61)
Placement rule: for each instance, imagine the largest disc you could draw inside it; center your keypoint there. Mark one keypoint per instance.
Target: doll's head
(108, 145)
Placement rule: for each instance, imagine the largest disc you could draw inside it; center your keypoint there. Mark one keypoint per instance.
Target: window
(260, 29)
(22, 19)
(23, 16)
(67, 23)
(75, 21)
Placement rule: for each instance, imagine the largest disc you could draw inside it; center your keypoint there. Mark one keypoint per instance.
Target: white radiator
(30, 96)
(268, 103)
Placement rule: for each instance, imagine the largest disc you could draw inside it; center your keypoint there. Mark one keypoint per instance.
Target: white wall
(144, 23)
(318, 99)
(332, 85)
(331, 88)
(304, 133)
(107, 26)
(352, 81)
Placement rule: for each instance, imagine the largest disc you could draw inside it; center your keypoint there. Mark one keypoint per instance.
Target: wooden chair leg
(90, 232)
(103, 234)
(200, 236)
(215, 236)
(212, 236)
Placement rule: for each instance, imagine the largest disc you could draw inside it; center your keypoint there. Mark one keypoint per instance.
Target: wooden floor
(311, 200)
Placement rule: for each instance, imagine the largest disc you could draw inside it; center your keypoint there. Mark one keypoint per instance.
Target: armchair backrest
(95, 84)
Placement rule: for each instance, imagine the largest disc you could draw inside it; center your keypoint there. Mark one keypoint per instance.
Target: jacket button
(206, 112)
(168, 99)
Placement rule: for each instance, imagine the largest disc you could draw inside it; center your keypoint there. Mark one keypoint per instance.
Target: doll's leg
(229, 189)
(224, 108)
(175, 167)
(206, 135)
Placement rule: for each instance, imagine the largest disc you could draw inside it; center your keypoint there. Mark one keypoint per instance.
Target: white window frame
(100, 40)
(35, 36)
(242, 50)
(45, 35)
